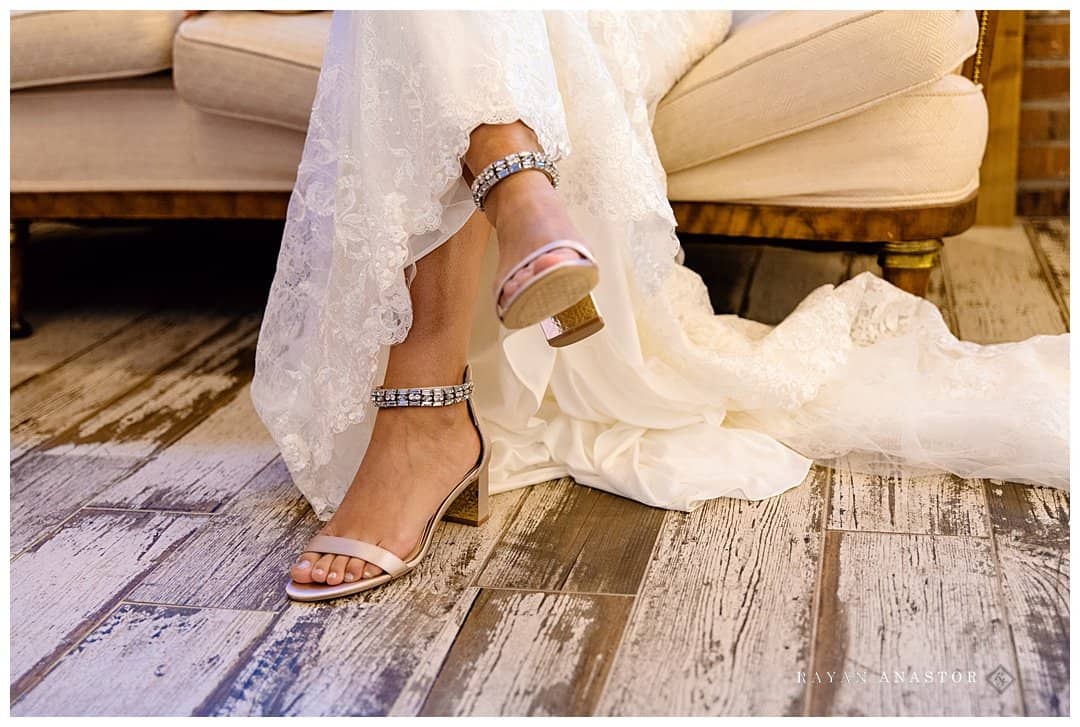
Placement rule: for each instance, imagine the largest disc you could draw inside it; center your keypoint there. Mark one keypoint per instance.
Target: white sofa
(111, 102)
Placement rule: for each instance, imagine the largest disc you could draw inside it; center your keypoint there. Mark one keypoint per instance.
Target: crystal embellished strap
(424, 396)
(500, 169)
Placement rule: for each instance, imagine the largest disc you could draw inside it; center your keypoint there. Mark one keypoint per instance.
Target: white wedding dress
(669, 404)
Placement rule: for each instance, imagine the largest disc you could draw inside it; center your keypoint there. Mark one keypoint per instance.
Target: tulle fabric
(670, 404)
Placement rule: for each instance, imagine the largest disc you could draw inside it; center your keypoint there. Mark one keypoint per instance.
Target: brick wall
(1043, 184)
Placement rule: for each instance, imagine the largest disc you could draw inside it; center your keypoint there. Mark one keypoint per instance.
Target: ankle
(517, 194)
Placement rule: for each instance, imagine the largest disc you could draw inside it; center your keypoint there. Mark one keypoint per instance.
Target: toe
(371, 570)
(516, 281)
(554, 257)
(301, 570)
(354, 570)
(337, 570)
(321, 568)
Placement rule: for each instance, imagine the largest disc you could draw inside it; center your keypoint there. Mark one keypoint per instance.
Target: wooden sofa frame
(909, 239)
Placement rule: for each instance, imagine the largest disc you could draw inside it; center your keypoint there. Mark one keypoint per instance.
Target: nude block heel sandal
(559, 298)
(467, 503)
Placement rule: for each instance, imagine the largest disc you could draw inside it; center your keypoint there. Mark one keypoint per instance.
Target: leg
(907, 264)
(417, 454)
(20, 233)
(524, 208)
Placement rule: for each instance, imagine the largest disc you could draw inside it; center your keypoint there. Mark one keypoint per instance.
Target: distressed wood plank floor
(153, 524)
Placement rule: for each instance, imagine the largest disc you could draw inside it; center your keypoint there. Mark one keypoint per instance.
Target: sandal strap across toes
(365, 551)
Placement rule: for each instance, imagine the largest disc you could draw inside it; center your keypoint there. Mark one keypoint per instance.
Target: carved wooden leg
(907, 264)
(20, 232)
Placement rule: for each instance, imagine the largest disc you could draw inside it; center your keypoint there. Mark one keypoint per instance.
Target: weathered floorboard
(726, 607)
(63, 335)
(1050, 241)
(74, 465)
(155, 660)
(1031, 531)
(528, 653)
(202, 469)
(997, 286)
(61, 588)
(51, 402)
(900, 605)
(568, 537)
(902, 502)
(372, 653)
(242, 557)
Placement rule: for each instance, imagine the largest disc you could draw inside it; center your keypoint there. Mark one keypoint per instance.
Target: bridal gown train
(669, 404)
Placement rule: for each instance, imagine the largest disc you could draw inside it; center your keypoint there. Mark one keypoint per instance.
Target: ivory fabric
(923, 147)
(786, 72)
(669, 404)
(136, 134)
(62, 46)
(252, 65)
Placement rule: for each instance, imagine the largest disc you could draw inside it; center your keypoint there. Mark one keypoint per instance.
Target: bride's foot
(527, 213)
(416, 457)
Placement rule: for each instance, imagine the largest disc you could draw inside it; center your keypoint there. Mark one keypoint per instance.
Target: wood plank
(784, 276)
(372, 653)
(202, 469)
(998, 173)
(568, 537)
(50, 403)
(62, 335)
(154, 204)
(997, 286)
(158, 660)
(829, 224)
(66, 584)
(723, 620)
(1031, 532)
(525, 653)
(1050, 241)
(900, 501)
(80, 461)
(902, 606)
(241, 559)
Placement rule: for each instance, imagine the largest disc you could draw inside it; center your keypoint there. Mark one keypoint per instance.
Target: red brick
(1042, 202)
(1044, 124)
(1043, 162)
(1046, 41)
(1044, 82)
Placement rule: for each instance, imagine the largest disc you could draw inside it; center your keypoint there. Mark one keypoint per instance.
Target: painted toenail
(349, 577)
(318, 571)
(304, 564)
(333, 574)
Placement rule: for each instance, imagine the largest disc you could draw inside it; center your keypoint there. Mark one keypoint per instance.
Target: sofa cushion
(787, 71)
(923, 147)
(137, 134)
(61, 46)
(251, 65)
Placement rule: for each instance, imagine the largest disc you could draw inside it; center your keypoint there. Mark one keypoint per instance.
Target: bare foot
(416, 456)
(528, 212)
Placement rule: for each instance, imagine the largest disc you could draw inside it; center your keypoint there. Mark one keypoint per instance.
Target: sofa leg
(907, 264)
(20, 233)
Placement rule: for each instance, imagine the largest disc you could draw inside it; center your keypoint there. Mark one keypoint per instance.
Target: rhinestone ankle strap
(500, 169)
(424, 396)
